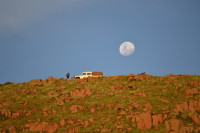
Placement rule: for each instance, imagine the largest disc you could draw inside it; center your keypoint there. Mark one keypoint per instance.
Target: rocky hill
(125, 103)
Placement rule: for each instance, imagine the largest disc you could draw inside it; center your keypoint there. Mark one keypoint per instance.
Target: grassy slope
(49, 95)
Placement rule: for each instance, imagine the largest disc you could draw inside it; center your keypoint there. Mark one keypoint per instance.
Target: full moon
(126, 48)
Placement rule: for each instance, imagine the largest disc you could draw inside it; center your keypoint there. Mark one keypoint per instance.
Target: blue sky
(50, 38)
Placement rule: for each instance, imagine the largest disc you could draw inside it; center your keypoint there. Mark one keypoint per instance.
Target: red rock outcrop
(87, 91)
(138, 94)
(148, 106)
(135, 105)
(70, 121)
(139, 77)
(130, 77)
(162, 100)
(93, 78)
(35, 81)
(170, 75)
(177, 126)
(62, 122)
(193, 91)
(105, 130)
(5, 113)
(133, 122)
(192, 105)
(44, 81)
(144, 120)
(195, 83)
(196, 118)
(75, 108)
(73, 130)
(131, 86)
(116, 87)
(92, 109)
(173, 125)
(40, 127)
(119, 127)
(81, 93)
(43, 127)
(76, 93)
(91, 119)
(51, 79)
(15, 115)
(50, 128)
(157, 120)
(86, 123)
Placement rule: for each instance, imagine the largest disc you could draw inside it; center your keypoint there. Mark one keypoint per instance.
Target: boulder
(133, 120)
(39, 127)
(74, 108)
(194, 83)
(175, 126)
(139, 77)
(51, 79)
(130, 78)
(93, 78)
(119, 127)
(105, 130)
(35, 81)
(191, 105)
(148, 106)
(193, 91)
(144, 120)
(87, 91)
(131, 86)
(162, 100)
(130, 75)
(70, 121)
(147, 120)
(73, 130)
(122, 112)
(195, 119)
(86, 123)
(92, 109)
(164, 90)
(116, 87)
(167, 126)
(32, 126)
(44, 81)
(135, 105)
(170, 75)
(15, 115)
(76, 93)
(62, 122)
(6, 113)
(140, 122)
(50, 128)
(185, 106)
(61, 103)
(91, 119)
(11, 129)
(157, 119)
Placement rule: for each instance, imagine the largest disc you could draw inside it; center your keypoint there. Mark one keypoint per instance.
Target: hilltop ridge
(124, 103)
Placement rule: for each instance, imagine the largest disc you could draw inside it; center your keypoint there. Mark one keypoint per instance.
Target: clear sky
(41, 38)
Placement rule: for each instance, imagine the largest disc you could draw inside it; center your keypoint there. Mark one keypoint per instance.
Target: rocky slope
(124, 103)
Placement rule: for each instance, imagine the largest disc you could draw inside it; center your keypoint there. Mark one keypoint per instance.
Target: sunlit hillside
(120, 104)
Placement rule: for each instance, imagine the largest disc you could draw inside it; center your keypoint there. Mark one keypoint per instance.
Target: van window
(84, 74)
(89, 73)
